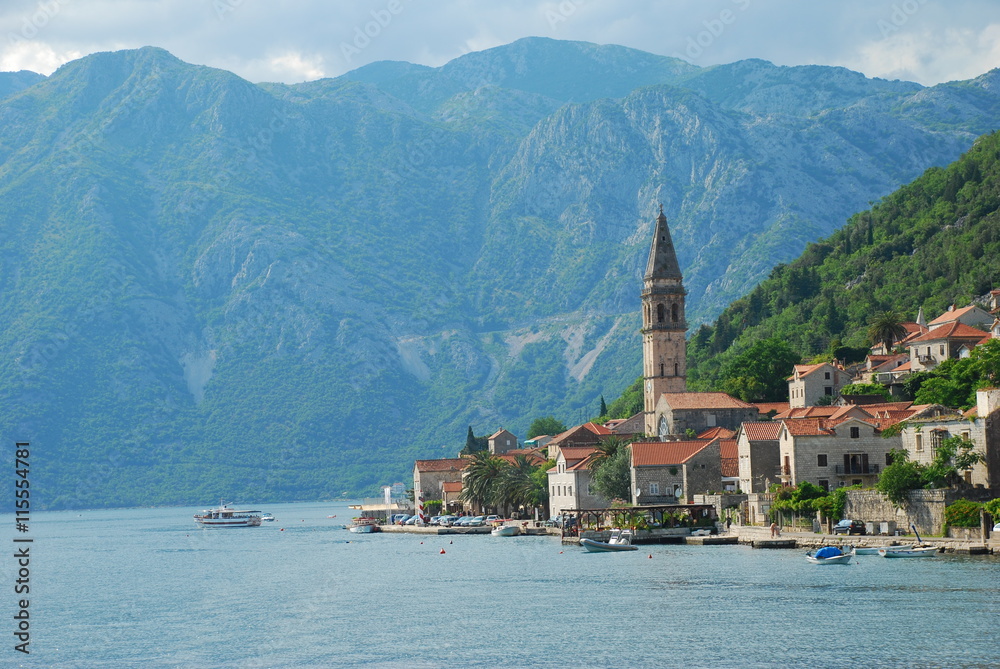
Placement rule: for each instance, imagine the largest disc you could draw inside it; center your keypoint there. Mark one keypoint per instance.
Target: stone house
(924, 432)
(429, 475)
(672, 472)
(628, 427)
(832, 453)
(676, 413)
(943, 343)
(809, 383)
(451, 492)
(587, 434)
(758, 454)
(502, 441)
(972, 316)
(729, 464)
(569, 482)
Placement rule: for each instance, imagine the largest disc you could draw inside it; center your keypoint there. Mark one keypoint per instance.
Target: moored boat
(364, 525)
(267, 517)
(829, 555)
(908, 551)
(226, 516)
(621, 540)
(501, 530)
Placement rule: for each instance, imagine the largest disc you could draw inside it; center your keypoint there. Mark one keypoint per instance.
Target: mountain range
(272, 292)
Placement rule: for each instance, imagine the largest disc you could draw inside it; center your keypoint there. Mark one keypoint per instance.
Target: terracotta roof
(442, 465)
(533, 458)
(806, 426)
(576, 453)
(889, 361)
(597, 429)
(659, 453)
(765, 407)
(806, 370)
(761, 430)
(704, 401)
(716, 432)
(905, 367)
(497, 433)
(730, 457)
(890, 406)
(954, 330)
(451, 486)
(579, 433)
(809, 412)
(583, 464)
(949, 316)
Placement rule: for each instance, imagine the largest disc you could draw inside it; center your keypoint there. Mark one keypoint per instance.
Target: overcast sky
(928, 41)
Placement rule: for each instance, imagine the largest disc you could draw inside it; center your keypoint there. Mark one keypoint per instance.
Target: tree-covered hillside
(932, 243)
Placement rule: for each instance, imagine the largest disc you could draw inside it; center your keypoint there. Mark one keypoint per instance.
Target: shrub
(962, 513)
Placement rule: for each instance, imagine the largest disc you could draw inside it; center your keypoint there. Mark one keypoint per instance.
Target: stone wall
(925, 508)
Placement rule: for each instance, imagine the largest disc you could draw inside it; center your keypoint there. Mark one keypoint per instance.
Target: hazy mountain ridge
(287, 292)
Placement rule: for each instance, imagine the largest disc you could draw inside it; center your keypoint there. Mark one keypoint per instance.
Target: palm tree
(607, 448)
(886, 329)
(519, 486)
(480, 481)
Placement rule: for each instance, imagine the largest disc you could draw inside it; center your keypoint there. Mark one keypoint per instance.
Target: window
(855, 481)
(942, 349)
(920, 443)
(888, 459)
(827, 377)
(827, 390)
(659, 313)
(570, 491)
(654, 488)
(821, 460)
(711, 420)
(824, 484)
(855, 433)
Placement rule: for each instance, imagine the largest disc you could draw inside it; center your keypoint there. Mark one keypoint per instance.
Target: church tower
(664, 348)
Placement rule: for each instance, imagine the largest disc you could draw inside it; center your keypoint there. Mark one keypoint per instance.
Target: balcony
(856, 469)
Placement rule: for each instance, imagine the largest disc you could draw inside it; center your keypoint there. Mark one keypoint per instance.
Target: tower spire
(662, 263)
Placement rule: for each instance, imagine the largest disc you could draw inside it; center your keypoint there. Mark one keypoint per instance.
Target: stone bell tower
(664, 348)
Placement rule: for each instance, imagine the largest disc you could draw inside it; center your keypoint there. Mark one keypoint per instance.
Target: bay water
(148, 588)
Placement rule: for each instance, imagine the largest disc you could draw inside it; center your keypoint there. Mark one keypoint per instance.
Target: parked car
(491, 518)
(399, 518)
(849, 527)
(463, 521)
(477, 521)
(412, 520)
(434, 520)
(447, 521)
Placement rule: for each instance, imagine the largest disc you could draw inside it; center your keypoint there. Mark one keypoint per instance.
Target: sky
(927, 41)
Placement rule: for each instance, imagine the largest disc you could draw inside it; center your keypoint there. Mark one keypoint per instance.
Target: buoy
(442, 552)
(282, 529)
(650, 556)
(451, 542)
(560, 552)
(421, 543)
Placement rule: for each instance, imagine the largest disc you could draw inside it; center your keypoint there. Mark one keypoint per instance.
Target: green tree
(867, 389)
(760, 373)
(899, 478)
(954, 455)
(479, 487)
(611, 477)
(604, 408)
(547, 425)
(941, 390)
(886, 329)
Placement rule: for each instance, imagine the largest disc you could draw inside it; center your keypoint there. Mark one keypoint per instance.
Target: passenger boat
(829, 555)
(501, 530)
(908, 551)
(226, 516)
(621, 540)
(364, 525)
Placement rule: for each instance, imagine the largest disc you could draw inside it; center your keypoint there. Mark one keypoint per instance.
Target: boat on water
(501, 530)
(829, 555)
(867, 550)
(364, 525)
(267, 517)
(908, 551)
(621, 540)
(226, 516)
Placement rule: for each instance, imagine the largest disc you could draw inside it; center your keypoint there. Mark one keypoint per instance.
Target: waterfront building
(677, 413)
(671, 472)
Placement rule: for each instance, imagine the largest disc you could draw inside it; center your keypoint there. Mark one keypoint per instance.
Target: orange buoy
(442, 552)
(650, 556)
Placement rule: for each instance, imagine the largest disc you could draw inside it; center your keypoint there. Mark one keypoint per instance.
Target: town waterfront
(147, 588)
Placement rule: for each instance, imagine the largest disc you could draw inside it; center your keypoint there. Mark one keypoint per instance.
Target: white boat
(226, 516)
(908, 551)
(364, 525)
(500, 530)
(267, 517)
(867, 550)
(829, 555)
(703, 532)
(621, 540)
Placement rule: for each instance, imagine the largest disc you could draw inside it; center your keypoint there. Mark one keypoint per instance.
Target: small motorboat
(501, 530)
(621, 540)
(267, 517)
(829, 555)
(908, 551)
(867, 550)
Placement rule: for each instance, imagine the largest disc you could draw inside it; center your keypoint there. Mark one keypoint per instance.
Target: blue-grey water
(147, 588)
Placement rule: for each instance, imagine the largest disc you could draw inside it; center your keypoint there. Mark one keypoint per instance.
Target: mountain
(214, 288)
(933, 243)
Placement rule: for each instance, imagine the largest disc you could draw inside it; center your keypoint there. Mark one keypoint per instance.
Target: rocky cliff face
(289, 292)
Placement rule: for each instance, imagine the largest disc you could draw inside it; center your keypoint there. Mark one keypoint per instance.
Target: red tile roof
(809, 412)
(442, 465)
(597, 429)
(576, 453)
(954, 330)
(730, 456)
(799, 427)
(761, 430)
(704, 401)
(533, 458)
(716, 432)
(765, 407)
(659, 453)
